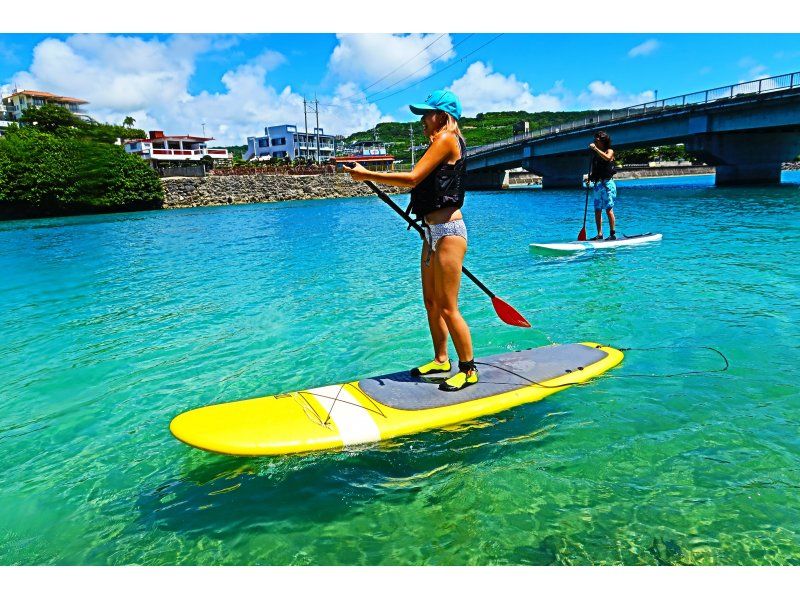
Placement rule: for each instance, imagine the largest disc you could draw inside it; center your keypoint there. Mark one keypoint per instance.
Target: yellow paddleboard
(382, 407)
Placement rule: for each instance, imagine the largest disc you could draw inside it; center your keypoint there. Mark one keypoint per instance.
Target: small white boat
(575, 246)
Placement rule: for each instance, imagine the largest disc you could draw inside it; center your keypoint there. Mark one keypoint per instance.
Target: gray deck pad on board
(497, 374)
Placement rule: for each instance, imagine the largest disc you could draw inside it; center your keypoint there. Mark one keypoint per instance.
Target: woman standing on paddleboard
(605, 190)
(437, 195)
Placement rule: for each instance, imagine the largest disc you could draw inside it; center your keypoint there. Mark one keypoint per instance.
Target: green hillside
(484, 128)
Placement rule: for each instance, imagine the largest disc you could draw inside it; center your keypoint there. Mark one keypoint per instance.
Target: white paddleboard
(575, 246)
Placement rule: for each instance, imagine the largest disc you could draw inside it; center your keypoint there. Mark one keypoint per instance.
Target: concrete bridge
(745, 130)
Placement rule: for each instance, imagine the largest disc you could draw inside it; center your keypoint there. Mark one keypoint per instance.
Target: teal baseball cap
(443, 100)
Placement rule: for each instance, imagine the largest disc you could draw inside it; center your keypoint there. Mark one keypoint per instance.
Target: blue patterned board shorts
(605, 192)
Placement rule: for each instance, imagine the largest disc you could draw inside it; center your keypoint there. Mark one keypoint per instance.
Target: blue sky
(237, 83)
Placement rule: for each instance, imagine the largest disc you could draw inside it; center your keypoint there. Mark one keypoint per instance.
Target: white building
(21, 99)
(5, 117)
(158, 147)
(285, 141)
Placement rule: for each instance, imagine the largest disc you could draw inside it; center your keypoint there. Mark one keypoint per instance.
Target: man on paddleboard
(604, 189)
(437, 196)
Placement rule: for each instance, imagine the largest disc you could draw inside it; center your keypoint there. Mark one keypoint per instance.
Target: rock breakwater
(189, 192)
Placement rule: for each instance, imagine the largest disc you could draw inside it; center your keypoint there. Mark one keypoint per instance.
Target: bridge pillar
(747, 158)
(486, 179)
(559, 171)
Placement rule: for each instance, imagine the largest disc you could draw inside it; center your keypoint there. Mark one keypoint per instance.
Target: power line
(419, 69)
(365, 99)
(463, 58)
(396, 69)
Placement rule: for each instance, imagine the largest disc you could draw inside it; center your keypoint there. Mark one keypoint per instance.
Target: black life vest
(442, 188)
(602, 169)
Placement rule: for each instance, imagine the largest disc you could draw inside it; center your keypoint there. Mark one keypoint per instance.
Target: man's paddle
(505, 312)
(582, 234)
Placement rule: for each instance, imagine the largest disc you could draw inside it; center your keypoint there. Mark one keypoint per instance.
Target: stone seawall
(190, 192)
(644, 173)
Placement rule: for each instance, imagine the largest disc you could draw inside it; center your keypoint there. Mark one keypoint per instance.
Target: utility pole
(316, 111)
(411, 134)
(204, 129)
(305, 118)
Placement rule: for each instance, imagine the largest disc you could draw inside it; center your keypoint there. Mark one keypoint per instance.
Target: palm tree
(129, 121)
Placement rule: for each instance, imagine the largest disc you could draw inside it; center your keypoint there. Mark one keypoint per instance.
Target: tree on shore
(50, 118)
(45, 174)
(128, 122)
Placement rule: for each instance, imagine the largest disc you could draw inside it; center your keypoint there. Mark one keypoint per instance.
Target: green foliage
(641, 155)
(49, 118)
(59, 121)
(236, 151)
(105, 133)
(44, 174)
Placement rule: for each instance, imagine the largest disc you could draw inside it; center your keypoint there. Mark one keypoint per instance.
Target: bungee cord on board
(582, 383)
(377, 410)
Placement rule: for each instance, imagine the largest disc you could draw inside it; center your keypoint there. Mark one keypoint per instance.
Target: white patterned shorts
(434, 232)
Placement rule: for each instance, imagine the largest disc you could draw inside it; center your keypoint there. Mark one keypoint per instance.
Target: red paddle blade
(508, 314)
(582, 234)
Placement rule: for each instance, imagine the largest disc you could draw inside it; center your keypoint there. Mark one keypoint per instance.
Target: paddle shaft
(582, 234)
(586, 205)
(388, 201)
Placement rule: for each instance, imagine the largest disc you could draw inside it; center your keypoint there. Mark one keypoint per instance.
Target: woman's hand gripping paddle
(504, 311)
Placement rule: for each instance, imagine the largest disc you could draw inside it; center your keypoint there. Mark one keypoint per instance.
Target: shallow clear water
(114, 324)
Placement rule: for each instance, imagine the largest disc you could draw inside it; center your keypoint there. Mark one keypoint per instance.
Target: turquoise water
(114, 324)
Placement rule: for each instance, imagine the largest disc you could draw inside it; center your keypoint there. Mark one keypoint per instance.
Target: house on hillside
(20, 99)
(5, 117)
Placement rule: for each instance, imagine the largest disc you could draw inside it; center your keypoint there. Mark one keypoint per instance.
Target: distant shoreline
(656, 172)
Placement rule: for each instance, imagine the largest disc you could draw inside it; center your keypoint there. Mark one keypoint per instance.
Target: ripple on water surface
(114, 324)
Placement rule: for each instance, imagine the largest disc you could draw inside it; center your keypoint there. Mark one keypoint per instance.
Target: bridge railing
(707, 96)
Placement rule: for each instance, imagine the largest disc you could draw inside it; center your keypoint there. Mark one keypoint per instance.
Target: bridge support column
(559, 171)
(747, 158)
(486, 179)
(768, 173)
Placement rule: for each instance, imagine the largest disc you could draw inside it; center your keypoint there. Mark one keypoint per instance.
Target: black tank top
(442, 188)
(602, 170)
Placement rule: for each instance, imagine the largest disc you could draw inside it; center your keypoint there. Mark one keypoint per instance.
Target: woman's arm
(607, 155)
(442, 149)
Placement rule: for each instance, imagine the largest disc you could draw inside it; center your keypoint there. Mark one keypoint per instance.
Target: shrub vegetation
(57, 164)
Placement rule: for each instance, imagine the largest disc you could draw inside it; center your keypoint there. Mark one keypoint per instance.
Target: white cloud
(602, 89)
(603, 94)
(148, 79)
(480, 89)
(754, 69)
(645, 48)
(368, 57)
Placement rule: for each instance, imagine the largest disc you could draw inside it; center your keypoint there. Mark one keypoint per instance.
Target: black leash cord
(675, 375)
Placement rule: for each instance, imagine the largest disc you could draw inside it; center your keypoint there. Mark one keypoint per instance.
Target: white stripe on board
(355, 424)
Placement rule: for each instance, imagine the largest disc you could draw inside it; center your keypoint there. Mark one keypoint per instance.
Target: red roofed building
(371, 155)
(176, 149)
(21, 99)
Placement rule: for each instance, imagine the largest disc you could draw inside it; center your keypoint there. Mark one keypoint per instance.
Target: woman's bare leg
(446, 264)
(435, 321)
